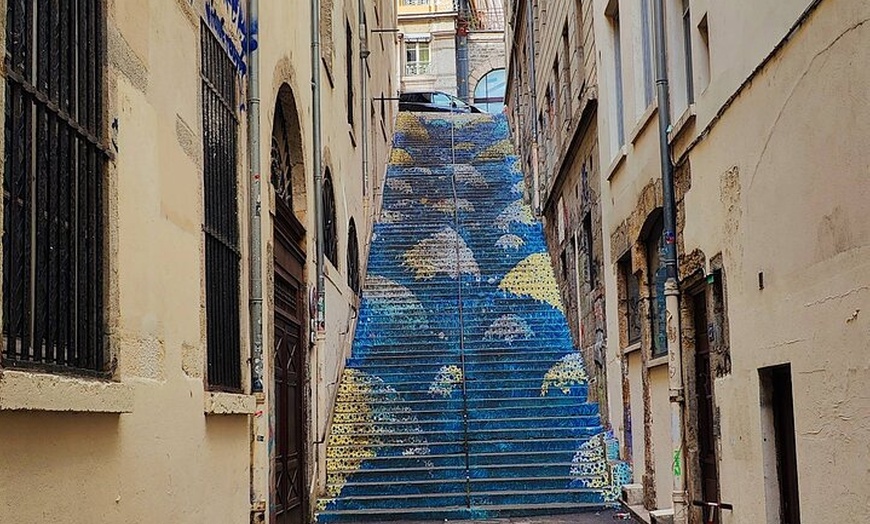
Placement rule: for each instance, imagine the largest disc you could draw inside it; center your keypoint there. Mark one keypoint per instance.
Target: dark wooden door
(289, 405)
(786, 450)
(704, 390)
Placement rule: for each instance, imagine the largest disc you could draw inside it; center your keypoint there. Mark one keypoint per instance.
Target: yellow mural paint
(400, 157)
(497, 151)
(533, 277)
(569, 371)
(410, 125)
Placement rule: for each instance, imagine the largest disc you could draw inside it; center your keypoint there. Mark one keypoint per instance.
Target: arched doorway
(489, 92)
(290, 405)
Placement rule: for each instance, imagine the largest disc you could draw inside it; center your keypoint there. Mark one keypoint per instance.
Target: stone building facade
(567, 186)
(428, 31)
(130, 389)
(765, 119)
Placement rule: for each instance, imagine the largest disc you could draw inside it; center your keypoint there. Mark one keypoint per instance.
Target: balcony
(418, 68)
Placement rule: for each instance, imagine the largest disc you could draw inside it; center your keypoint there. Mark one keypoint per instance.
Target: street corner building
(730, 133)
(167, 352)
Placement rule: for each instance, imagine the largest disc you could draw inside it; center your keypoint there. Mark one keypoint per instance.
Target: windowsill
(631, 348)
(644, 121)
(331, 273)
(657, 361)
(29, 391)
(614, 166)
(219, 403)
(682, 123)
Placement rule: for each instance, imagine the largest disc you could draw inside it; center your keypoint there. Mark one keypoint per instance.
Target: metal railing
(486, 20)
(418, 68)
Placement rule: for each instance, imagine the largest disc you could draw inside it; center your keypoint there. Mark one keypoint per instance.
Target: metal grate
(221, 226)
(53, 198)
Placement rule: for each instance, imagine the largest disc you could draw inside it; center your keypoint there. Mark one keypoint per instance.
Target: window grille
(353, 276)
(330, 235)
(656, 276)
(221, 225)
(53, 187)
(281, 163)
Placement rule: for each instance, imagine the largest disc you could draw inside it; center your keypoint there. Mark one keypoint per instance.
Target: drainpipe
(259, 426)
(364, 96)
(533, 87)
(672, 285)
(462, 22)
(318, 327)
(317, 162)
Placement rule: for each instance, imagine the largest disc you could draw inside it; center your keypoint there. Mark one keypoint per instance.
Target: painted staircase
(464, 397)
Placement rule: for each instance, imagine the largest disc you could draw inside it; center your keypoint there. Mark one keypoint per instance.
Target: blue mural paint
(465, 397)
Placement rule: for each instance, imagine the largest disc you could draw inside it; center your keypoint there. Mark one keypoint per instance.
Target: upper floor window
(490, 90)
(330, 233)
(656, 276)
(221, 225)
(53, 187)
(629, 299)
(417, 58)
(353, 276)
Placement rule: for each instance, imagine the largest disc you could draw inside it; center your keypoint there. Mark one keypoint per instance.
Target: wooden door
(704, 390)
(289, 352)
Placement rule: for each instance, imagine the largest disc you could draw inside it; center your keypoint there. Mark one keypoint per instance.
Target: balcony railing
(417, 68)
(487, 20)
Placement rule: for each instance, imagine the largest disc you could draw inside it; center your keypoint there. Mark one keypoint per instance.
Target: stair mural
(464, 397)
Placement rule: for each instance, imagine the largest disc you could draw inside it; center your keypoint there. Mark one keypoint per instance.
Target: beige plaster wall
(143, 448)
(783, 177)
(778, 184)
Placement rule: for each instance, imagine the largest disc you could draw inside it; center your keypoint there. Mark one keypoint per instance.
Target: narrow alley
(464, 396)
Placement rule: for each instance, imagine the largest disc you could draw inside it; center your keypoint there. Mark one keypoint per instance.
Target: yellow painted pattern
(533, 277)
(400, 157)
(498, 151)
(569, 371)
(443, 252)
(517, 212)
(410, 125)
(446, 380)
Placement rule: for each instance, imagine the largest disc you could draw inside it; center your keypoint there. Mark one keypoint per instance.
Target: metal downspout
(364, 97)
(533, 87)
(259, 454)
(317, 161)
(462, 25)
(318, 324)
(672, 285)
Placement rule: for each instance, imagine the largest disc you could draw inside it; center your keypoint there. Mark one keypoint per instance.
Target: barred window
(53, 187)
(221, 226)
(330, 233)
(353, 276)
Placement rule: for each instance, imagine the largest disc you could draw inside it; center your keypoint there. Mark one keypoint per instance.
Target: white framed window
(417, 58)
